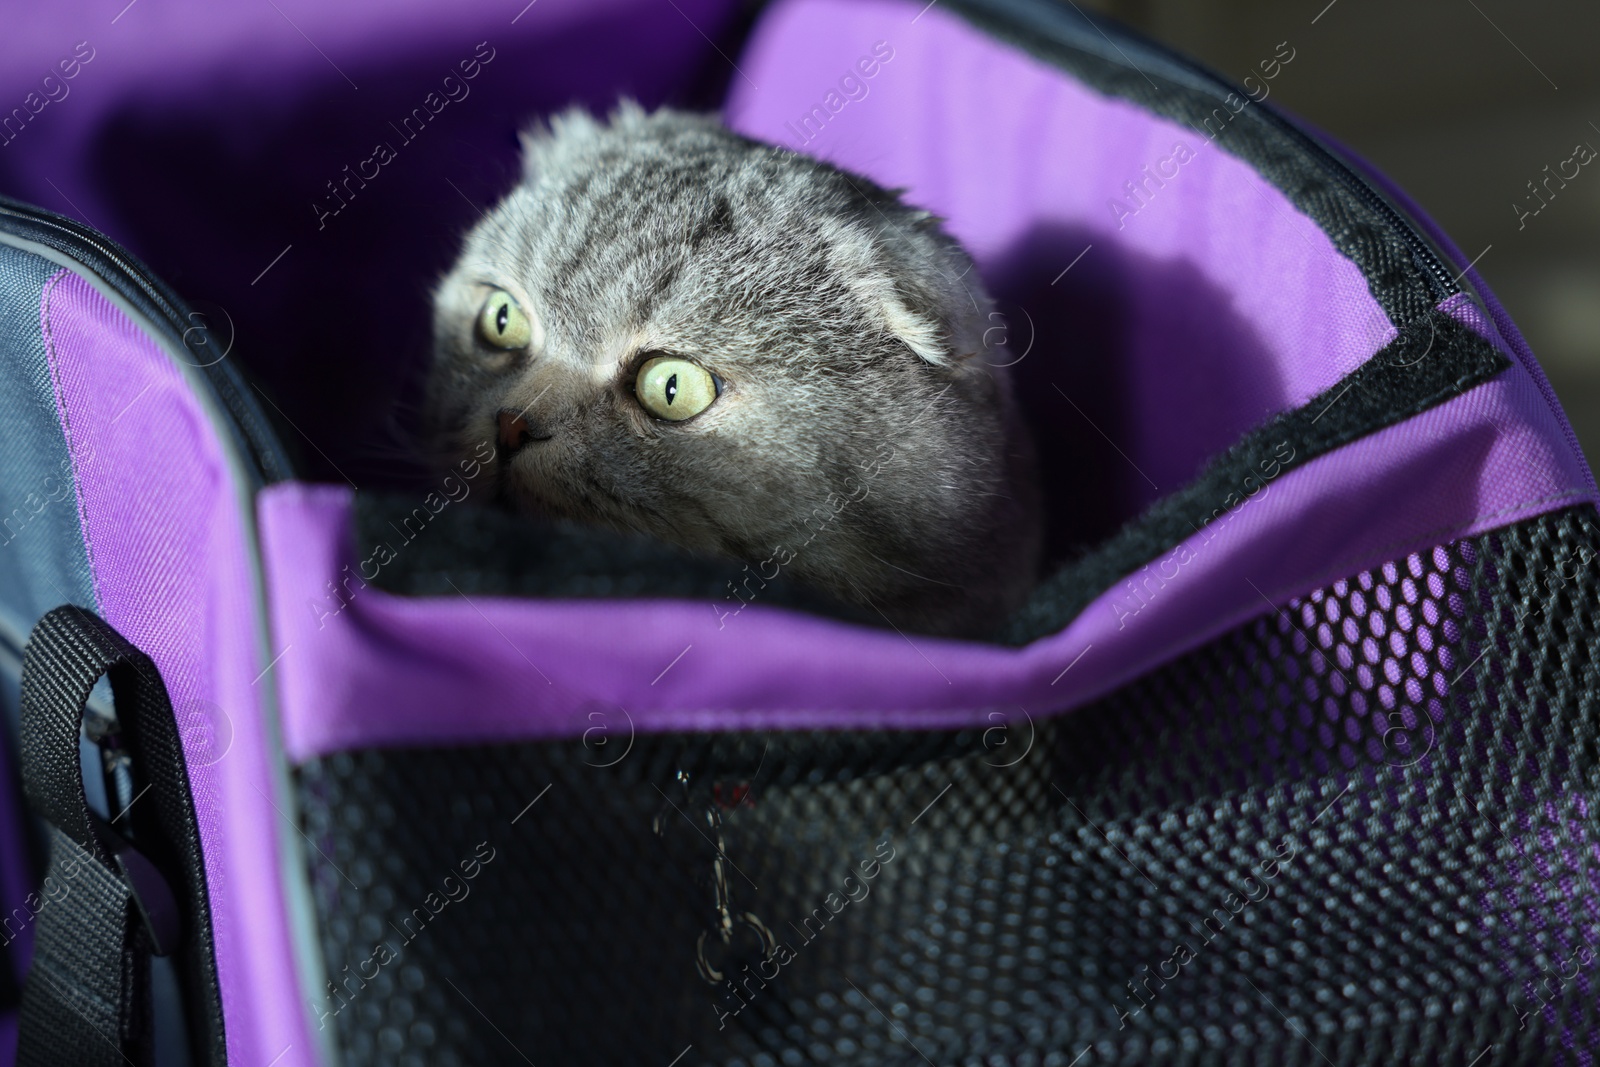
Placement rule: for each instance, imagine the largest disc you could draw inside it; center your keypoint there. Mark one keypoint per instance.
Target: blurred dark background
(1462, 103)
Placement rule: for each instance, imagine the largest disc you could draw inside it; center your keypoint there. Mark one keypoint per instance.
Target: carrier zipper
(262, 452)
(1423, 252)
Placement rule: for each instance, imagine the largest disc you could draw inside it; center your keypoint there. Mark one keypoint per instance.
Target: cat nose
(515, 431)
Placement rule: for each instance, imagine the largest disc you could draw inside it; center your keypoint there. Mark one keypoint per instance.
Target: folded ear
(898, 262)
(905, 309)
(922, 334)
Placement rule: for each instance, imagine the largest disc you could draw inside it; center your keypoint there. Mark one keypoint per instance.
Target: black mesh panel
(1352, 831)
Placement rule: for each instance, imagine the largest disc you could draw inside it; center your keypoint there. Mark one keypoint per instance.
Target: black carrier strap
(104, 908)
(85, 1001)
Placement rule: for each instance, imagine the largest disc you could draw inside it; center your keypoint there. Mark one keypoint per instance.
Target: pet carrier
(312, 761)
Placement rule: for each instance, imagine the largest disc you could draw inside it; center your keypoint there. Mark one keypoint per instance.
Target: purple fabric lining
(396, 671)
(1031, 168)
(166, 547)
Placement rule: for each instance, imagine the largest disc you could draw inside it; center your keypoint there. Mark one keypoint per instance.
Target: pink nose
(514, 432)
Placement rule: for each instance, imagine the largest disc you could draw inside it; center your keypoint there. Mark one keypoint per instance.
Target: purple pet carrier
(313, 761)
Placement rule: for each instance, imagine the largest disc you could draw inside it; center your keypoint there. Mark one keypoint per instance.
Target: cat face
(669, 329)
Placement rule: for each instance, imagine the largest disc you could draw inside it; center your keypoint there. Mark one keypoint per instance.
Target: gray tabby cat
(675, 330)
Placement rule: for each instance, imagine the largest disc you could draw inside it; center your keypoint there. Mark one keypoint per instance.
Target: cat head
(672, 329)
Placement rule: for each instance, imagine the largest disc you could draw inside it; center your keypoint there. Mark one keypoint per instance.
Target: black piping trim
(1418, 370)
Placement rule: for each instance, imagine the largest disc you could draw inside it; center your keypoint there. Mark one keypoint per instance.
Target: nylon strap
(86, 998)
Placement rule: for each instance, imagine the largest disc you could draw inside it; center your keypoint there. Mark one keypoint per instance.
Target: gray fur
(864, 441)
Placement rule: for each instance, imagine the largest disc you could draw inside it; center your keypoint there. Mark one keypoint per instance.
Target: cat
(673, 329)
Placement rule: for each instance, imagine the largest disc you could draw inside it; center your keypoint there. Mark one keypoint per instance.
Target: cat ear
(628, 112)
(880, 268)
(921, 334)
(571, 127)
(919, 218)
(913, 316)
(533, 141)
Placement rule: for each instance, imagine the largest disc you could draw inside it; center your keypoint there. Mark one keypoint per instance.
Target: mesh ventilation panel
(1355, 830)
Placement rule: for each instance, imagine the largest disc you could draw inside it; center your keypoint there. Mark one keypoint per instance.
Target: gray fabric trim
(43, 560)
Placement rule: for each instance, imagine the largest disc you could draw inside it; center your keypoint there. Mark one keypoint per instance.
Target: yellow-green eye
(502, 323)
(671, 388)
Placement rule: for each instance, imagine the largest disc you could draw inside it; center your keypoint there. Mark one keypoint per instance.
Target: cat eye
(502, 323)
(674, 389)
